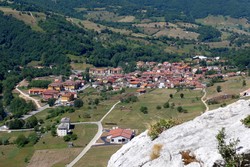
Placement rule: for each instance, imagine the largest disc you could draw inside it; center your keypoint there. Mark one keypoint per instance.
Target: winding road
(204, 101)
(96, 137)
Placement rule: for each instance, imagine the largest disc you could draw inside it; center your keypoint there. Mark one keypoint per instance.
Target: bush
(158, 107)
(156, 129)
(66, 138)
(228, 151)
(144, 109)
(33, 138)
(78, 103)
(246, 121)
(4, 141)
(86, 115)
(166, 105)
(21, 140)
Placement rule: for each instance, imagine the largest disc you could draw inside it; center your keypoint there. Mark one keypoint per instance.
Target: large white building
(64, 127)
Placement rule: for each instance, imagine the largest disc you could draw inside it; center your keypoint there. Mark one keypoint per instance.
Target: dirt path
(28, 97)
(203, 99)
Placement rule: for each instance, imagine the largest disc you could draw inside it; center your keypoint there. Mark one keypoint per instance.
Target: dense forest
(171, 9)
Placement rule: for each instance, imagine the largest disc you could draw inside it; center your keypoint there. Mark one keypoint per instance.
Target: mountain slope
(196, 136)
(176, 8)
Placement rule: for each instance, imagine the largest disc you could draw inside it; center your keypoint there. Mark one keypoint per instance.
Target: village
(149, 75)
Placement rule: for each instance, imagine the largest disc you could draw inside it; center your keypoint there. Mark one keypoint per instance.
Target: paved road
(204, 101)
(96, 137)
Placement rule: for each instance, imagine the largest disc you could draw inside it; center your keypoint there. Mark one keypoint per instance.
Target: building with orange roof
(120, 136)
(36, 91)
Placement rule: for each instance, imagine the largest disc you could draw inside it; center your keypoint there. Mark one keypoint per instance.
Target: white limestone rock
(197, 136)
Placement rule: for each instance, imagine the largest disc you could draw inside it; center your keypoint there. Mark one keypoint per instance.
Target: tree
(218, 88)
(21, 140)
(31, 122)
(180, 109)
(53, 131)
(181, 95)
(244, 83)
(4, 141)
(51, 101)
(15, 124)
(166, 105)
(78, 103)
(96, 101)
(66, 138)
(171, 96)
(144, 109)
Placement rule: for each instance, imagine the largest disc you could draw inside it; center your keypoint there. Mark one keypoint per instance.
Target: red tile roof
(120, 132)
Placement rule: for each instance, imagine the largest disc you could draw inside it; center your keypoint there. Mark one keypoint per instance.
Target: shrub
(158, 107)
(21, 140)
(246, 121)
(144, 109)
(73, 136)
(156, 129)
(228, 151)
(156, 151)
(78, 103)
(66, 138)
(166, 105)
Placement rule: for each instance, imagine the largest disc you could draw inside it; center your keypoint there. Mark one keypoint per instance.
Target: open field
(177, 32)
(42, 158)
(232, 86)
(98, 156)
(129, 115)
(221, 22)
(29, 18)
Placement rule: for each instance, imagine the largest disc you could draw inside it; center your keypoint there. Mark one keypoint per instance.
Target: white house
(120, 136)
(64, 127)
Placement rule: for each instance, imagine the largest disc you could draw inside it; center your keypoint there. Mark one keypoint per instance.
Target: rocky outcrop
(197, 136)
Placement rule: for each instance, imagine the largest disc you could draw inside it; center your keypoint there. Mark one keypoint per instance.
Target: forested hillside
(171, 9)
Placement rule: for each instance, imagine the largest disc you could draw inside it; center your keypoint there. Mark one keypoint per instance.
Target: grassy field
(98, 156)
(231, 86)
(29, 18)
(236, 25)
(129, 115)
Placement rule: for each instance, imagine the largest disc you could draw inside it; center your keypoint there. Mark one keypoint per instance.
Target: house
(134, 84)
(48, 94)
(141, 91)
(56, 86)
(120, 136)
(64, 127)
(70, 85)
(36, 91)
(67, 97)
